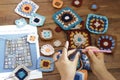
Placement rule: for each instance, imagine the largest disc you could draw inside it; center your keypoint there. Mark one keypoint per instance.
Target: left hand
(66, 68)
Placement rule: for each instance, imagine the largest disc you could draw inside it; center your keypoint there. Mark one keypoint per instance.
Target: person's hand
(97, 64)
(66, 68)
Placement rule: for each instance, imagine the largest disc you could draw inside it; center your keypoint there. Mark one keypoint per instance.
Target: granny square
(78, 38)
(106, 42)
(46, 34)
(77, 3)
(97, 24)
(21, 73)
(26, 7)
(67, 18)
(45, 64)
(36, 20)
(20, 22)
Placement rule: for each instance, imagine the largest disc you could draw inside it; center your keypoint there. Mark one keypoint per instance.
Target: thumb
(76, 58)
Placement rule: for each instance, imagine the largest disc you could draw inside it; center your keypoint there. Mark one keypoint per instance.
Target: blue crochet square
(45, 64)
(67, 18)
(36, 20)
(20, 22)
(97, 24)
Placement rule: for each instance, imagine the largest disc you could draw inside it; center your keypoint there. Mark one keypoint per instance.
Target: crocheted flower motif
(78, 38)
(77, 3)
(67, 18)
(44, 64)
(46, 34)
(32, 38)
(36, 20)
(47, 50)
(106, 42)
(97, 24)
(21, 73)
(26, 7)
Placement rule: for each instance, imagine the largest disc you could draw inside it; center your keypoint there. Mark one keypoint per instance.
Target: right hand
(96, 60)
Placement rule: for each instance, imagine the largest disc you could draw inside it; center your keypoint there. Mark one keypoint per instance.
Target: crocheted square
(36, 20)
(77, 3)
(21, 73)
(67, 18)
(26, 7)
(32, 38)
(106, 42)
(45, 64)
(97, 24)
(46, 34)
(78, 38)
(20, 22)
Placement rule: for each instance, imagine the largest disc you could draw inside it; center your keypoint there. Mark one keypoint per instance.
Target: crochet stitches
(78, 38)
(97, 24)
(106, 42)
(26, 7)
(67, 18)
(45, 64)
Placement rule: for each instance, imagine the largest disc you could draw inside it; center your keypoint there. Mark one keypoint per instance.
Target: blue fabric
(2, 51)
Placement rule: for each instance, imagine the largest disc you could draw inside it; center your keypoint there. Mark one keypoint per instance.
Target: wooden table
(108, 8)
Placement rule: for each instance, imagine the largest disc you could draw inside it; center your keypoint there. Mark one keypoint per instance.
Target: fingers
(65, 51)
(91, 55)
(76, 58)
(55, 55)
(71, 51)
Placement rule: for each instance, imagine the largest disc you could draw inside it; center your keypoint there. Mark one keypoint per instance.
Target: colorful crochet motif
(57, 3)
(67, 18)
(57, 43)
(21, 73)
(36, 20)
(77, 3)
(46, 34)
(78, 38)
(32, 38)
(26, 7)
(106, 42)
(97, 24)
(21, 22)
(94, 6)
(45, 64)
(47, 50)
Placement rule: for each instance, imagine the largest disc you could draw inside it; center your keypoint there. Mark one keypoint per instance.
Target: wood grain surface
(109, 8)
